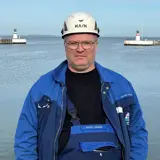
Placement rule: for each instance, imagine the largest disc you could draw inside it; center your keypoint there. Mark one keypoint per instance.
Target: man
(81, 110)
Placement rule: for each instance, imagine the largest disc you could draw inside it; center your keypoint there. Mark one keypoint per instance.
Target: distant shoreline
(58, 36)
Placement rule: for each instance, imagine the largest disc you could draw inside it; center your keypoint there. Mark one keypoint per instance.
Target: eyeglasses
(85, 44)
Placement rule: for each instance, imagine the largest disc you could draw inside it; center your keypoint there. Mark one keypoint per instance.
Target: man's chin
(80, 67)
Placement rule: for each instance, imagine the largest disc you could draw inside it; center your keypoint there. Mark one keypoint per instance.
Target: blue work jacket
(40, 125)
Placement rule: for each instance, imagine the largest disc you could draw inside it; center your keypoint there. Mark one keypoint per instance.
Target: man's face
(80, 51)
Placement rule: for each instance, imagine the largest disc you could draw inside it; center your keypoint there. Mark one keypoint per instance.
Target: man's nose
(80, 48)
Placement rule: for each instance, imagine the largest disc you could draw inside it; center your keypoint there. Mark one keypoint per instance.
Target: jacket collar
(59, 73)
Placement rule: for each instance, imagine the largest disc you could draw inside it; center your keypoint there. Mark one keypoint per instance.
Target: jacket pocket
(45, 107)
(97, 146)
(126, 103)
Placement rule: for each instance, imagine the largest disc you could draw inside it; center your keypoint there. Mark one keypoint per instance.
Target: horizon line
(50, 35)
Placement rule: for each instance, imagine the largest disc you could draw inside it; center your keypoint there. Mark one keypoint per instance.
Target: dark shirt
(84, 90)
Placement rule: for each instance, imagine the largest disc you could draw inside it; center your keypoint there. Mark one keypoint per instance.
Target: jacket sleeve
(25, 142)
(138, 132)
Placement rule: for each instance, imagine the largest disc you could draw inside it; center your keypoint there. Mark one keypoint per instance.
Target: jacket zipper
(60, 124)
(102, 86)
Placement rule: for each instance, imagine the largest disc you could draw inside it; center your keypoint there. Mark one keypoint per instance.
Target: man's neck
(76, 70)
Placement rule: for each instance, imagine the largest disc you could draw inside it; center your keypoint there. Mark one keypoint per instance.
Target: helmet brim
(68, 34)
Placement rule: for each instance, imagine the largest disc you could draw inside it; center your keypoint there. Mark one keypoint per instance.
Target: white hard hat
(80, 22)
